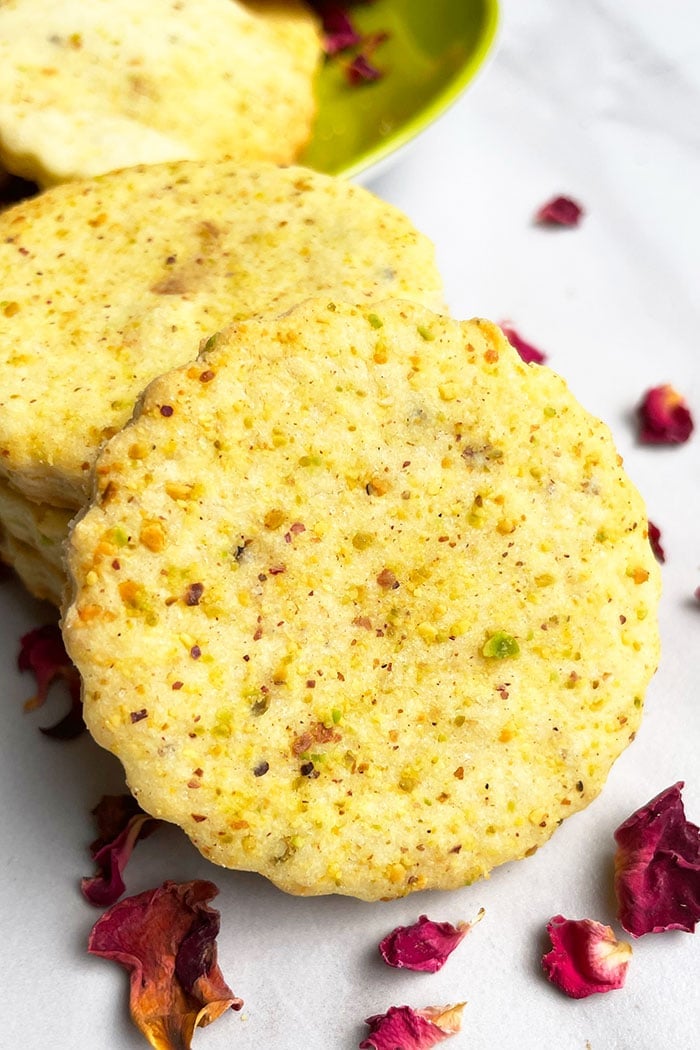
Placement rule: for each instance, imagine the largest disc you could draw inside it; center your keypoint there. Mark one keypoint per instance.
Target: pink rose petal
(657, 867)
(425, 945)
(559, 211)
(585, 958)
(529, 353)
(664, 418)
(402, 1028)
(338, 31)
(121, 824)
(340, 35)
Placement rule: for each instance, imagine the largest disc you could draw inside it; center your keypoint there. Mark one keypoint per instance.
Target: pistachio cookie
(362, 601)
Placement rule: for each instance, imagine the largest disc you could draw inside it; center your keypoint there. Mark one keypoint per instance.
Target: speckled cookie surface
(86, 88)
(32, 536)
(109, 282)
(39, 574)
(363, 602)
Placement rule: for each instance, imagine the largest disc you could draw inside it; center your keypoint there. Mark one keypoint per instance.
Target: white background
(600, 100)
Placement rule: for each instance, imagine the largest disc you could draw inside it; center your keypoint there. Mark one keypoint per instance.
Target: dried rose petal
(402, 1028)
(42, 652)
(559, 211)
(657, 867)
(425, 945)
(655, 542)
(340, 35)
(527, 351)
(166, 938)
(361, 70)
(585, 957)
(664, 418)
(121, 824)
(338, 30)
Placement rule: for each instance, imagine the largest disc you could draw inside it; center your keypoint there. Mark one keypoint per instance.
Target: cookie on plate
(109, 282)
(89, 87)
(363, 602)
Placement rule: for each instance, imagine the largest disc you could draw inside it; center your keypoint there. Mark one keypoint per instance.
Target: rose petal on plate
(402, 1028)
(528, 353)
(43, 653)
(585, 958)
(655, 542)
(559, 211)
(121, 824)
(664, 417)
(657, 867)
(425, 945)
(166, 939)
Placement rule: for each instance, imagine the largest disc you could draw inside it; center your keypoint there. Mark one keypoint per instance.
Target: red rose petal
(338, 30)
(402, 1028)
(424, 946)
(528, 353)
(121, 823)
(657, 867)
(166, 939)
(559, 211)
(43, 653)
(664, 418)
(585, 958)
(361, 70)
(655, 542)
(340, 35)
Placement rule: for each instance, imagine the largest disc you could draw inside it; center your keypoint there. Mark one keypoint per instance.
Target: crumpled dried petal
(42, 651)
(657, 867)
(425, 945)
(402, 1028)
(121, 824)
(338, 31)
(362, 71)
(664, 417)
(559, 211)
(166, 939)
(655, 542)
(585, 958)
(528, 353)
(341, 35)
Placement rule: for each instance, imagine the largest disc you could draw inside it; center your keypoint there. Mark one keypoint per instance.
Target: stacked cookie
(360, 600)
(88, 88)
(109, 282)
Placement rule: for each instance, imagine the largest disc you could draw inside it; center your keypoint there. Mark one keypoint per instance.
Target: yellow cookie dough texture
(108, 282)
(89, 87)
(363, 602)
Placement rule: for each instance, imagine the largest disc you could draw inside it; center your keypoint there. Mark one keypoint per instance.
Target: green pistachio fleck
(500, 646)
(425, 333)
(375, 321)
(336, 715)
(362, 540)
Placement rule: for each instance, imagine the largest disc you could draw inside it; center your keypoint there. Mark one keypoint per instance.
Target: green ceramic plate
(433, 51)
